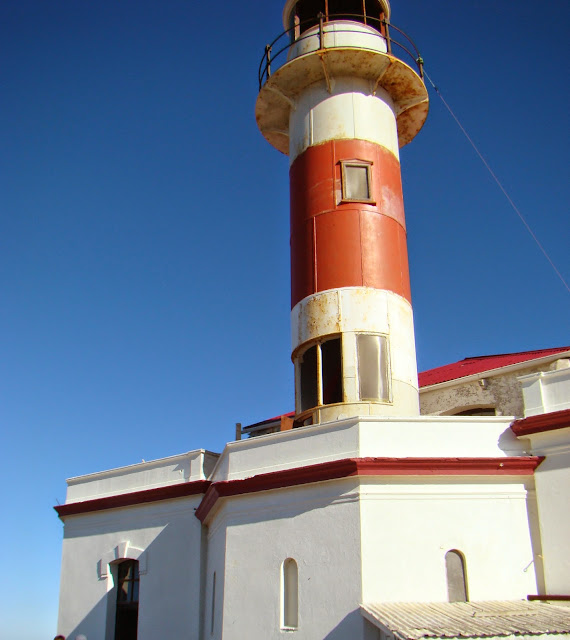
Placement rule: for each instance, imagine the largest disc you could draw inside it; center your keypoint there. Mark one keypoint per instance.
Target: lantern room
(302, 15)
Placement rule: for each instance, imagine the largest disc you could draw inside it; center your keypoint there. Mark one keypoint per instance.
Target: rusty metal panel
(384, 255)
(338, 252)
(302, 262)
(352, 243)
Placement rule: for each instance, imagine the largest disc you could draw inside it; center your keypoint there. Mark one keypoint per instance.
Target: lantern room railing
(276, 53)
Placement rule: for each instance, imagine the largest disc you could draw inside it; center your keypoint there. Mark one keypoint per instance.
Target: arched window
(127, 608)
(455, 571)
(289, 595)
(477, 411)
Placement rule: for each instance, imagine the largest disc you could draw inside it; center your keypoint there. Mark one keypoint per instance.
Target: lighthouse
(341, 90)
(377, 522)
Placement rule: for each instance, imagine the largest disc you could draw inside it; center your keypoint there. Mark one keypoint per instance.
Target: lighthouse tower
(337, 99)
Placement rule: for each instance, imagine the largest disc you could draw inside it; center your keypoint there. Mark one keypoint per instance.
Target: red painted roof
(480, 364)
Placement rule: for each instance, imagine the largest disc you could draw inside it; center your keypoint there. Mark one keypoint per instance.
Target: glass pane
(135, 597)
(124, 570)
(346, 10)
(307, 10)
(308, 372)
(123, 592)
(356, 182)
(332, 371)
(372, 367)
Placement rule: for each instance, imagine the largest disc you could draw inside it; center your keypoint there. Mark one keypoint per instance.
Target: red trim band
(334, 470)
(552, 598)
(136, 497)
(348, 467)
(542, 422)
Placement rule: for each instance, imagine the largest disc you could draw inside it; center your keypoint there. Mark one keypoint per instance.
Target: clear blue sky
(144, 264)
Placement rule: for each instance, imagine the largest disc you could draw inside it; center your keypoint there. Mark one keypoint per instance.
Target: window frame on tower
(321, 370)
(364, 365)
(345, 166)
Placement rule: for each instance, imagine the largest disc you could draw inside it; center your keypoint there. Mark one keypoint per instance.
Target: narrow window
(373, 369)
(308, 373)
(455, 570)
(356, 182)
(289, 595)
(127, 612)
(213, 621)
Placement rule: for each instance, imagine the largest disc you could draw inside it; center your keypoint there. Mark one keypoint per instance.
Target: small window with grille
(356, 181)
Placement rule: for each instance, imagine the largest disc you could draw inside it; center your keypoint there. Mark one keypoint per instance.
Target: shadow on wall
(169, 587)
(90, 626)
(354, 625)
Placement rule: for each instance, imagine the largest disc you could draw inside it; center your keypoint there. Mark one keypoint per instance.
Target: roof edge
(489, 373)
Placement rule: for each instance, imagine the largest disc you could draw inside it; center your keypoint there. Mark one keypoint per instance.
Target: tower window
(289, 595)
(373, 367)
(356, 181)
(320, 374)
(127, 612)
(309, 374)
(331, 371)
(455, 570)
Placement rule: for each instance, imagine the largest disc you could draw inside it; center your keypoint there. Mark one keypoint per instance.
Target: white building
(374, 511)
(331, 531)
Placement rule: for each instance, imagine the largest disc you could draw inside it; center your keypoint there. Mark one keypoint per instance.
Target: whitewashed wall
(553, 493)
(316, 525)
(409, 524)
(168, 535)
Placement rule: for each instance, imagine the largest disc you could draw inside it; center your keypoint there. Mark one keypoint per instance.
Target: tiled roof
(480, 364)
(419, 621)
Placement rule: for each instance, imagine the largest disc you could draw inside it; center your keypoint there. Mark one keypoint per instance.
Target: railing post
(388, 41)
(268, 59)
(321, 17)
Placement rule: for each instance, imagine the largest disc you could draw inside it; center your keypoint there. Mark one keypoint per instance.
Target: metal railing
(277, 50)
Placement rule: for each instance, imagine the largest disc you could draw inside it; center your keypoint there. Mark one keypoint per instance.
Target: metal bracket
(325, 71)
(379, 78)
